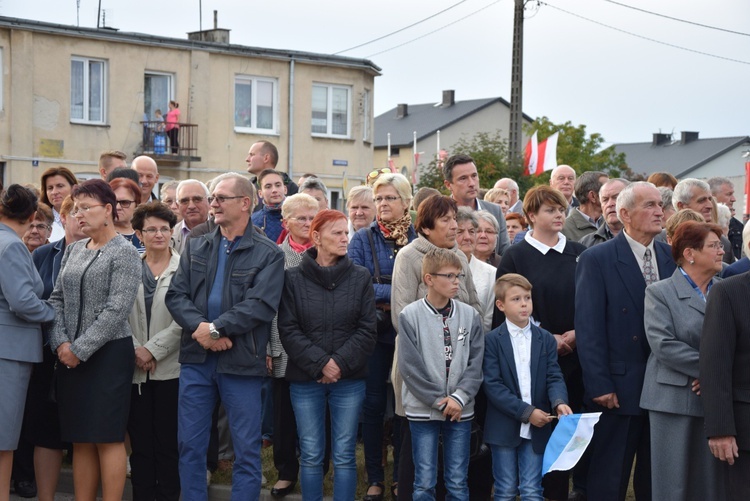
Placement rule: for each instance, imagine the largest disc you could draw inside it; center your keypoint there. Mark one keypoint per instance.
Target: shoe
(280, 492)
(127, 468)
(394, 491)
(25, 488)
(208, 477)
(375, 497)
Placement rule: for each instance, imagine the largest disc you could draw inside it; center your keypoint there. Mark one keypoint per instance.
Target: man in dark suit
(725, 379)
(462, 179)
(611, 280)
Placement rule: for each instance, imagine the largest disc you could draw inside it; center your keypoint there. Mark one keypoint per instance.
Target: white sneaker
(208, 477)
(127, 468)
(263, 480)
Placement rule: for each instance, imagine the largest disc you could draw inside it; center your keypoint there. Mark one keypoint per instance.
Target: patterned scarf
(397, 230)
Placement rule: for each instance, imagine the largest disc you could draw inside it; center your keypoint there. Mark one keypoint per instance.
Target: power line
(400, 30)
(434, 31)
(678, 19)
(644, 37)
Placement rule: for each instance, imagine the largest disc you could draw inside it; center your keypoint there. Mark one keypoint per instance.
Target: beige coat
(164, 342)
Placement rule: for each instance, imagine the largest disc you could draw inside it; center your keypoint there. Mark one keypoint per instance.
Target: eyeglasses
(196, 200)
(450, 276)
(39, 227)
(154, 231)
(714, 246)
(85, 208)
(374, 174)
(390, 199)
(221, 198)
(125, 204)
(302, 219)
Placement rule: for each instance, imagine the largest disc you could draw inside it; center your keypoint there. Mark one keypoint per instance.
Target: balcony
(156, 143)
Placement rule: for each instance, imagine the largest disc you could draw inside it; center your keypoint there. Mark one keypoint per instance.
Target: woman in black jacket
(327, 327)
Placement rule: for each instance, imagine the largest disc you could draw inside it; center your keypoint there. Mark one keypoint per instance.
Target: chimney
(661, 138)
(688, 137)
(449, 98)
(402, 110)
(215, 35)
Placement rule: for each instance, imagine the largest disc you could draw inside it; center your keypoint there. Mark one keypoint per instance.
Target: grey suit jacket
(503, 242)
(673, 320)
(577, 226)
(21, 310)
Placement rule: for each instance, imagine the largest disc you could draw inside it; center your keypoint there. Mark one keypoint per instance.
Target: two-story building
(68, 93)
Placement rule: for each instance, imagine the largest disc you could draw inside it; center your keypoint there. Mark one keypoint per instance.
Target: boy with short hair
(523, 382)
(440, 345)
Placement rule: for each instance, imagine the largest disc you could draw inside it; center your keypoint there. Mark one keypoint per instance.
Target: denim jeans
(517, 469)
(376, 398)
(424, 443)
(200, 386)
(344, 400)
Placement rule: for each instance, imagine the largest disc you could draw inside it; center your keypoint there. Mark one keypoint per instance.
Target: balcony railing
(179, 144)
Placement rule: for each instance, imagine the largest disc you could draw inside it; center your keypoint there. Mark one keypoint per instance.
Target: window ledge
(257, 132)
(90, 124)
(330, 136)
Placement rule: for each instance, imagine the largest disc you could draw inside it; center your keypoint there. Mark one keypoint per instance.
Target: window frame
(329, 111)
(87, 90)
(254, 80)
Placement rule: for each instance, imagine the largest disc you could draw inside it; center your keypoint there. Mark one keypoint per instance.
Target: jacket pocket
(665, 375)
(244, 277)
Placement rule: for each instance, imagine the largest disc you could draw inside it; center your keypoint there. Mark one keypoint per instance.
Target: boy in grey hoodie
(441, 345)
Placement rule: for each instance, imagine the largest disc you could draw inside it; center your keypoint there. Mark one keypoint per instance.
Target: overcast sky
(624, 87)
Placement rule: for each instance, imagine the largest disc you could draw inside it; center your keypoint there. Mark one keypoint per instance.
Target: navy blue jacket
(47, 260)
(736, 268)
(610, 336)
(505, 408)
(268, 220)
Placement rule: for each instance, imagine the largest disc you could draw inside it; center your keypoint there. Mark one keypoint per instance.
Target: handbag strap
(374, 256)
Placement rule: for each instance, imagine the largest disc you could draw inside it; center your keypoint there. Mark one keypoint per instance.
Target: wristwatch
(214, 331)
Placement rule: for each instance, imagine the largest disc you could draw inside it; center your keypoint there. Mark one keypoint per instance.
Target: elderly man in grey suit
(462, 179)
(725, 381)
(682, 467)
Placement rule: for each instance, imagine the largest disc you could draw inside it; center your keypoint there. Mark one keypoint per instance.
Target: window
(157, 92)
(330, 110)
(255, 104)
(366, 115)
(87, 89)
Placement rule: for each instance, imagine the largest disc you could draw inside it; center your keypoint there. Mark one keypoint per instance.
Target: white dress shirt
(520, 338)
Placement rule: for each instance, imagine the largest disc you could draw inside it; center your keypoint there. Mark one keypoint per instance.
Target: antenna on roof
(98, 14)
(78, 12)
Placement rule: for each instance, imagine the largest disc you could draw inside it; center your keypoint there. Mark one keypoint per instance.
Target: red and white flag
(540, 157)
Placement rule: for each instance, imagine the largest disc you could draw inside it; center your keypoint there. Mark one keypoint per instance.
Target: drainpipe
(291, 119)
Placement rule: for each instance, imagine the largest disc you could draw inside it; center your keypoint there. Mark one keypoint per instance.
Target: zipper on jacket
(80, 299)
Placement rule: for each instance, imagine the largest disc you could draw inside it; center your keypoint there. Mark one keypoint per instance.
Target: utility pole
(516, 85)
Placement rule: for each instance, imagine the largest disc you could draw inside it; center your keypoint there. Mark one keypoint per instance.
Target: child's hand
(563, 409)
(539, 418)
(452, 409)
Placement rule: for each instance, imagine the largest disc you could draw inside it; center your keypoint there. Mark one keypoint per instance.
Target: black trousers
(737, 475)
(285, 432)
(152, 425)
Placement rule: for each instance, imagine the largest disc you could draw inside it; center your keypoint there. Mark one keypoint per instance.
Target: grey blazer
(673, 320)
(21, 310)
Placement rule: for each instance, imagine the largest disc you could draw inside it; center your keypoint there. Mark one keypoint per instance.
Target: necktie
(649, 275)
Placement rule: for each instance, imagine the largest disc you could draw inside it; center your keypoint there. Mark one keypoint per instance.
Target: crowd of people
(162, 334)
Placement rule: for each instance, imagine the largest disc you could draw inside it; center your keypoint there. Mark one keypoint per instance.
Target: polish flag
(540, 157)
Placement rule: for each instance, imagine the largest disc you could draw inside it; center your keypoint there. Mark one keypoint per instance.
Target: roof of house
(427, 119)
(110, 34)
(679, 158)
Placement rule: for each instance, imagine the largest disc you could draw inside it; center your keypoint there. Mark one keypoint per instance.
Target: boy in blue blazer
(523, 384)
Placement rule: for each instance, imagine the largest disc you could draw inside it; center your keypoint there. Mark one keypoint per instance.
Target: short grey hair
(489, 217)
(715, 183)
(512, 185)
(626, 198)
(296, 202)
(359, 193)
(169, 185)
(723, 215)
(666, 197)
(683, 191)
(187, 182)
(399, 183)
(313, 183)
(465, 214)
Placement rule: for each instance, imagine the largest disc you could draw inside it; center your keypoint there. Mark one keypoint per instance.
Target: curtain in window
(265, 105)
(243, 103)
(156, 94)
(340, 109)
(320, 110)
(96, 91)
(76, 90)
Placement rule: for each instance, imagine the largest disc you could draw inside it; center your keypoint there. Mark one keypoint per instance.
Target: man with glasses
(192, 198)
(224, 295)
(263, 155)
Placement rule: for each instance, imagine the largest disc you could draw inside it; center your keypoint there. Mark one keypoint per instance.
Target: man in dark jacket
(224, 296)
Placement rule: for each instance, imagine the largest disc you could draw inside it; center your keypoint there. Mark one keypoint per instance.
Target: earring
(106, 223)
(692, 262)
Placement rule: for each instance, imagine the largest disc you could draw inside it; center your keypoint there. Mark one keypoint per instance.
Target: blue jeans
(376, 399)
(344, 400)
(517, 469)
(424, 444)
(200, 386)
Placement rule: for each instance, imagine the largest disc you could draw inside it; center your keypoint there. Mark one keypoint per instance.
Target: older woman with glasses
(297, 215)
(486, 244)
(375, 247)
(93, 297)
(152, 423)
(40, 229)
(128, 198)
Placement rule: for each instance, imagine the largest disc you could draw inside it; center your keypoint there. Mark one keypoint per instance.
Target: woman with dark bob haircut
(152, 424)
(93, 297)
(22, 311)
(682, 466)
(128, 196)
(436, 227)
(57, 182)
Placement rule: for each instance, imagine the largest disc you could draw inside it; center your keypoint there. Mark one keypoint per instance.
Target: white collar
(544, 248)
(638, 248)
(516, 331)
